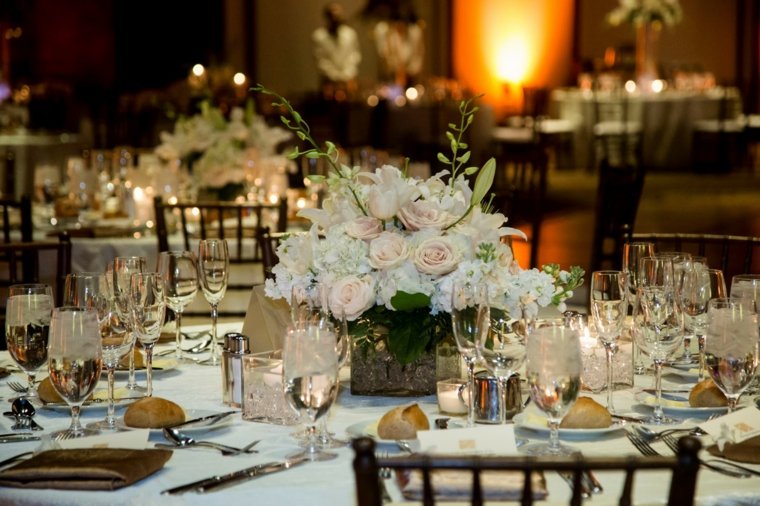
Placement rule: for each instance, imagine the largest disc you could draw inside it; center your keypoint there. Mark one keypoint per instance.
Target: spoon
(182, 440)
(200, 347)
(23, 410)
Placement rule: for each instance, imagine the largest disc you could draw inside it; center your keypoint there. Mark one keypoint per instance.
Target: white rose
(382, 202)
(364, 227)
(436, 256)
(296, 253)
(351, 296)
(387, 250)
(422, 214)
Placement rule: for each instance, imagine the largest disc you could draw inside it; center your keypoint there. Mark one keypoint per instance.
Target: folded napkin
(85, 469)
(747, 451)
(265, 321)
(456, 485)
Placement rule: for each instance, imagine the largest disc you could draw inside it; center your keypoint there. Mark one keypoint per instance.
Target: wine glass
(179, 272)
(699, 285)
(553, 370)
(747, 286)
(469, 321)
(502, 350)
(74, 361)
(123, 268)
(310, 374)
(213, 271)
(307, 304)
(683, 281)
(632, 253)
(148, 306)
(660, 331)
(608, 308)
(732, 346)
(27, 325)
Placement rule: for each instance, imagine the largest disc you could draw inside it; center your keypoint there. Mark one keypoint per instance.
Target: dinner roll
(402, 422)
(139, 360)
(48, 393)
(706, 394)
(586, 413)
(153, 413)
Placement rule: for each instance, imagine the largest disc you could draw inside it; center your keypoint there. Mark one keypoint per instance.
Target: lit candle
(450, 402)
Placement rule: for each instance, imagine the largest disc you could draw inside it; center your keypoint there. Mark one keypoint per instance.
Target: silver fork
(718, 465)
(17, 387)
(642, 446)
(385, 472)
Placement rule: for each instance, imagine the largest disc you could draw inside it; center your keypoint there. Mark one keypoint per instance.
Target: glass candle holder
(263, 395)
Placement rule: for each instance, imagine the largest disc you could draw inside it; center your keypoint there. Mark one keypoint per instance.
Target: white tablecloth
(327, 483)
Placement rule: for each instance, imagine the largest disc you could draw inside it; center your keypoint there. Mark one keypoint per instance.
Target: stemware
(179, 272)
(660, 331)
(27, 326)
(747, 286)
(470, 318)
(632, 253)
(74, 361)
(553, 370)
(699, 285)
(608, 307)
(502, 350)
(310, 376)
(731, 350)
(123, 268)
(148, 306)
(213, 271)
(683, 281)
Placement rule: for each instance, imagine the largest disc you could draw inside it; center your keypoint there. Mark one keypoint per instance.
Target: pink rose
(422, 214)
(387, 250)
(364, 227)
(436, 256)
(351, 296)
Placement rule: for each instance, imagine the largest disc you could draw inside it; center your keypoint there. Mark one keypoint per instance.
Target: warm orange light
(512, 60)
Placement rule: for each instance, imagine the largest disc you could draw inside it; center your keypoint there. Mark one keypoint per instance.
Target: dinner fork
(641, 445)
(739, 470)
(17, 387)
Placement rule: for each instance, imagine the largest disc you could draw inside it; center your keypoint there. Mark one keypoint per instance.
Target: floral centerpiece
(640, 12)
(387, 248)
(217, 148)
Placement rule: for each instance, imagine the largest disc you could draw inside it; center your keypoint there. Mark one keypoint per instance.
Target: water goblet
(747, 286)
(732, 346)
(469, 321)
(608, 308)
(148, 306)
(213, 271)
(74, 361)
(310, 374)
(699, 285)
(179, 271)
(553, 371)
(632, 253)
(123, 268)
(27, 326)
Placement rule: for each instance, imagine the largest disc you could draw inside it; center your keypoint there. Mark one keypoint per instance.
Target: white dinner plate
(100, 403)
(189, 415)
(689, 373)
(368, 428)
(160, 364)
(536, 423)
(677, 404)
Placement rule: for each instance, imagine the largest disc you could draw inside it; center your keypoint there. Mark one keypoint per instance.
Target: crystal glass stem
(214, 360)
(76, 426)
(732, 400)
(610, 381)
(178, 335)
(470, 391)
(503, 400)
(658, 415)
(148, 347)
(701, 347)
(111, 413)
(554, 446)
(132, 382)
(31, 377)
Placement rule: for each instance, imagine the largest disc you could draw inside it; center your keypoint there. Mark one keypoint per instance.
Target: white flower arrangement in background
(219, 148)
(635, 12)
(386, 249)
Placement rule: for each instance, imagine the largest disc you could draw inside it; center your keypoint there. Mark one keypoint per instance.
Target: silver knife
(204, 421)
(18, 437)
(255, 473)
(195, 485)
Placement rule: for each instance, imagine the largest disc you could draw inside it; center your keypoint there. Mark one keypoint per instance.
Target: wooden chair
(684, 467)
(269, 242)
(617, 137)
(20, 262)
(732, 254)
(240, 223)
(520, 188)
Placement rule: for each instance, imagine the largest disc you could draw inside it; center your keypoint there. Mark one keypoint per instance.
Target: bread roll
(706, 394)
(153, 413)
(139, 360)
(586, 413)
(402, 423)
(48, 394)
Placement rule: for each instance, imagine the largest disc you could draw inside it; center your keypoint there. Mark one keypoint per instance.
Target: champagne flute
(732, 346)
(74, 361)
(632, 253)
(27, 325)
(608, 307)
(699, 285)
(553, 370)
(123, 268)
(310, 373)
(470, 318)
(179, 272)
(148, 306)
(213, 271)
(661, 329)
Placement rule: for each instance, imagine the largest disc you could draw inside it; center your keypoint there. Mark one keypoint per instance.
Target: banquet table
(667, 120)
(322, 483)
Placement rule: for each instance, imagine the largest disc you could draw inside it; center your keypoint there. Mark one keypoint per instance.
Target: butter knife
(195, 485)
(255, 473)
(204, 421)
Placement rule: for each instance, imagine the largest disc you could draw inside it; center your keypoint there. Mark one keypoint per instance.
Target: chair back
(617, 135)
(520, 187)
(240, 223)
(269, 242)
(684, 467)
(17, 227)
(733, 254)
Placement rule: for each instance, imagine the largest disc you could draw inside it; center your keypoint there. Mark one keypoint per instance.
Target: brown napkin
(265, 321)
(747, 451)
(85, 469)
(455, 485)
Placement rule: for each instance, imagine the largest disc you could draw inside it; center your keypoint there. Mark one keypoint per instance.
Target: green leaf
(316, 178)
(404, 301)
(404, 341)
(312, 154)
(443, 159)
(484, 181)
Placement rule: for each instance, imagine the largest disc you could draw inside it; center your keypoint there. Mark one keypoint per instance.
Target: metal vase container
(486, 398)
